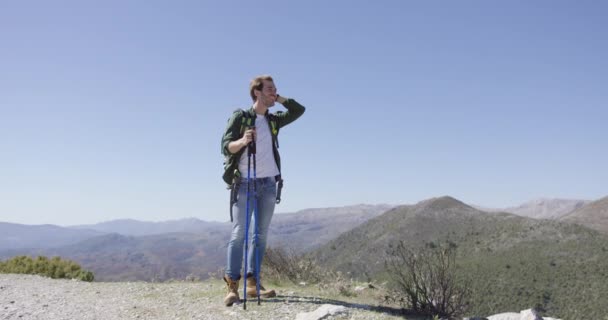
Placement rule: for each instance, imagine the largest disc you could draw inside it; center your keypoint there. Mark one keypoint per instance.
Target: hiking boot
(233, 291)
(251, 289)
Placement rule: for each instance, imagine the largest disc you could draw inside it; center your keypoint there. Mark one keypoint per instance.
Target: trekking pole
(247, 225)
(256, 233)
(250, 151)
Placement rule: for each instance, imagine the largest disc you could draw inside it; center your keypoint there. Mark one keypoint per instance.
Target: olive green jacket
(234, 131)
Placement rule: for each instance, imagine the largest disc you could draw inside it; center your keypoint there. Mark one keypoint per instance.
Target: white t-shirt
(266, 166)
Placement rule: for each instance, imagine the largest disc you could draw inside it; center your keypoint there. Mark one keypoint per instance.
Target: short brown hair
(258, 84)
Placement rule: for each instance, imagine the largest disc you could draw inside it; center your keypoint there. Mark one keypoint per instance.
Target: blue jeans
(266, 199)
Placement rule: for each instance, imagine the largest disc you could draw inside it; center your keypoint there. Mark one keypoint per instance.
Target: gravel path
(35, 297)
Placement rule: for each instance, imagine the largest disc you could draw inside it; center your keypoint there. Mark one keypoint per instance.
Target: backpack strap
(246, 120)
(274, 129)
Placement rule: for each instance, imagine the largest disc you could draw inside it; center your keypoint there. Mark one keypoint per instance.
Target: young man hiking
(253, 131)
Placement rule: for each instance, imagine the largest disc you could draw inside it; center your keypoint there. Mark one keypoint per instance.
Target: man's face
(268, 95)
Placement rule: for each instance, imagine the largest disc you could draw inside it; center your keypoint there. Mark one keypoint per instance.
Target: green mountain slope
(515, 262)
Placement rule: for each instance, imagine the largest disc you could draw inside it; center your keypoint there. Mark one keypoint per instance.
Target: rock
(322, 312)
(529, 314)
(505, 316)
(359, 288)
(475, 318)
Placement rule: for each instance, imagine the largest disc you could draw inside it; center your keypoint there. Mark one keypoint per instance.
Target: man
(262, 127)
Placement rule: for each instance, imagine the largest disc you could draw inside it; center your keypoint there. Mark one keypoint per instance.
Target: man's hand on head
(280, 99)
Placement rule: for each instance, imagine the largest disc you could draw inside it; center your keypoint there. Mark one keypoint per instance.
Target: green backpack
(231, 161)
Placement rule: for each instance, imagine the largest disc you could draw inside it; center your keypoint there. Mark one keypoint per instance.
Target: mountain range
(556, 260)
(138, 250)
(19, 236)
(132, 227)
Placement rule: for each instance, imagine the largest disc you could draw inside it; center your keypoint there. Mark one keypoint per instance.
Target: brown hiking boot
(233, 291)
(251, 289)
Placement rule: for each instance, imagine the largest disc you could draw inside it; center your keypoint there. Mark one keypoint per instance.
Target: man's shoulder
(239, 113)
(241, 117)
(275, 114)
(244, 112)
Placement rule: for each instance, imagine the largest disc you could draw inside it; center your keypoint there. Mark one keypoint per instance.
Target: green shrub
(55, 268)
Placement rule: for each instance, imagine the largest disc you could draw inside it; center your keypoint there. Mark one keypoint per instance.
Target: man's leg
(235, 246)
(266, 202)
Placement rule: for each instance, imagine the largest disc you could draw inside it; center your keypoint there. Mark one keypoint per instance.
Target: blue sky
(115, 109)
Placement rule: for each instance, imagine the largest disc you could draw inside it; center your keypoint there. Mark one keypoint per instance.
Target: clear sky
(115, 109)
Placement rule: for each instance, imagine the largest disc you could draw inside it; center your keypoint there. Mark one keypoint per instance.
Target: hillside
(415, 224)
(514, 261)
(593, 215)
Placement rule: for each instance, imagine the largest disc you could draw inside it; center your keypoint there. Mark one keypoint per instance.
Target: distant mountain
(115, 257)
(545, 208)
(311, 228)
(20, 236)
(593, 215)
(300, 230)
(513, 261)
(141, 228)
(197, 247)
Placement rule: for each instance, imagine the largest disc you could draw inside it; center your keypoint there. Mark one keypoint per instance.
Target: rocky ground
(35, 297)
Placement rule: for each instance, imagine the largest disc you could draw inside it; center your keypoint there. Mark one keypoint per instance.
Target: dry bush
(286, 265)
(426, 280)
